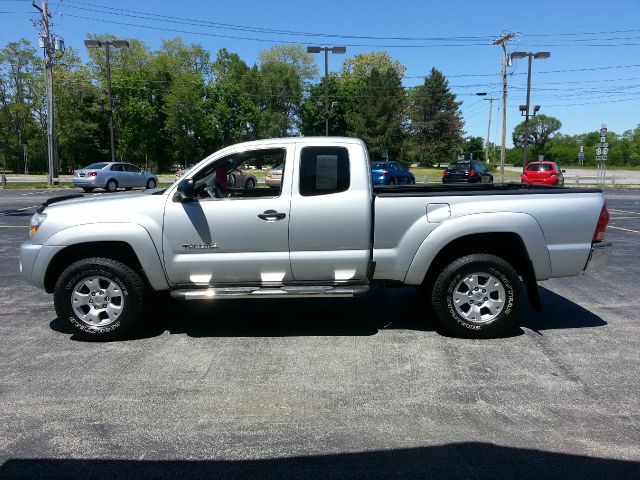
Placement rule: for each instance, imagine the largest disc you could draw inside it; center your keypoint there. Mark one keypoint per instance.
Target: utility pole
(502, 40)
(486, 156)
(50, 45)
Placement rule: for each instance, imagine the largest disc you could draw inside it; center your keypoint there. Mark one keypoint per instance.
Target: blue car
(391, 173)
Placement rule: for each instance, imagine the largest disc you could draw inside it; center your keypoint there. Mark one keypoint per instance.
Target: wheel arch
(517, 238)
(130, 244)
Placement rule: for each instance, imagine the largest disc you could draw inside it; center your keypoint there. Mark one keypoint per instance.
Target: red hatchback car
(543, 173)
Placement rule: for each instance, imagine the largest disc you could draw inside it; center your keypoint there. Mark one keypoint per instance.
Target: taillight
(92, 174)
(472, 173)
(383, 173)
(603, 221)
(444, 172)
(74, 173)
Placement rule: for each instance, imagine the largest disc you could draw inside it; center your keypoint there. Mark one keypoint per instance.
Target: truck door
(330, 226)
(230, 235)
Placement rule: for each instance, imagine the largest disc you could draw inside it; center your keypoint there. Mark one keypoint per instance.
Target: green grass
(26, 185)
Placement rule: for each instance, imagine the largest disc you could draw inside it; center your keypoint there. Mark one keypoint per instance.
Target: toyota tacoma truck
(323, 230)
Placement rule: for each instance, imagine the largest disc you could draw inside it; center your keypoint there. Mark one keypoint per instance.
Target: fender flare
(130, 233)
(521, 224)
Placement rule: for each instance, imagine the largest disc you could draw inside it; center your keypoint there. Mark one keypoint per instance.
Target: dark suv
(466, 171)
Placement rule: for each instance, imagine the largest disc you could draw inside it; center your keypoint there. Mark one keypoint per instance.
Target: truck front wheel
(99, 298)
(476, 296)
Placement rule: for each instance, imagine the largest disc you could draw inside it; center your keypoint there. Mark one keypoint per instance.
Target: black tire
(151, 184)
(412, 181)
(454, 281)
(111, 186)
(392, 182)
(88, 189)
(127, 189)
(250, 184)
(105, 273)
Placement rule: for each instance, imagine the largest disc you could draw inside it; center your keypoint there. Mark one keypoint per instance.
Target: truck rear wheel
(476, 296)
(99, 298)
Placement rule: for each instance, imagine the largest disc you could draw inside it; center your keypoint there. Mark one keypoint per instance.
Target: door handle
(271, 215)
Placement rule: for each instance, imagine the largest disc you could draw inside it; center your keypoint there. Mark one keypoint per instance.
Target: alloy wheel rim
(97, 301)
(479, 297)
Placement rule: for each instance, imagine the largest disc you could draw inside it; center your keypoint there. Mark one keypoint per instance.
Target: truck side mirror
(184, 193)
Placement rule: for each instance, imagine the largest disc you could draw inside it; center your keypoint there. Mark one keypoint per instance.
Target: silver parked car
(113, 175)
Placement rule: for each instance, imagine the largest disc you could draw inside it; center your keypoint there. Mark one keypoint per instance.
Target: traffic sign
(598, 151)
(603, 131)
(603, 139)
(605, 150)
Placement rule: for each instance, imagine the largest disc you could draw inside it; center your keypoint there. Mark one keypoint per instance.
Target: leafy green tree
(541, 130)
(435, 120)
(294, 55)
(376, 113)
(22, 101)
(312, 116)
(362, 65)
(473, 148)
(77, 114)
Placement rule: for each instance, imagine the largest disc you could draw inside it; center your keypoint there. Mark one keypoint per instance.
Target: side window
(117, 167)
(249, 174)
(324, 170)
(131, 168)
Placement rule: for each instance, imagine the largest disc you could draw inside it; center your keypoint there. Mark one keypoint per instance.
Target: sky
(591, 78)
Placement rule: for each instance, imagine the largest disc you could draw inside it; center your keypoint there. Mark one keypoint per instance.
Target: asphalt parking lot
(367, 388)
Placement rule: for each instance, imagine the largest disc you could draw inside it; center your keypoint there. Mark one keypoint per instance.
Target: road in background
(366, 388)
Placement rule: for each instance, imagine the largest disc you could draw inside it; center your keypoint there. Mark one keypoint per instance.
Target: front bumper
(28, 254)
(598, 257)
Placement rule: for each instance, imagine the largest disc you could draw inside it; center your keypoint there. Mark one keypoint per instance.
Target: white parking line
(625, 218)
(625, 229)
(14, 226)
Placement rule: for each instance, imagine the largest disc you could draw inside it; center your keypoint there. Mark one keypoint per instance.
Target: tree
(362, 65)
(22, 105)
(473, 148)
(435, 120)
(376, 112)
(312, 115)
(541, 129)
(294, 55)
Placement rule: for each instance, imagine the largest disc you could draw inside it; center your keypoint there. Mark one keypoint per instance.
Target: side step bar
(263, 292)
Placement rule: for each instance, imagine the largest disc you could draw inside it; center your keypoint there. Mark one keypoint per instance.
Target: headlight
(36, 221)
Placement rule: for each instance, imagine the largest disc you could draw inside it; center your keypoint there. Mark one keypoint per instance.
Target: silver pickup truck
(322, 230)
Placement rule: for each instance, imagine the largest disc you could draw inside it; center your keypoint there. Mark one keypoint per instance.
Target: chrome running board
(262, 292)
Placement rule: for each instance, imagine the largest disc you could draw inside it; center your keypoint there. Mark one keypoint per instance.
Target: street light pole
(530, 56)
(107, 45)
(112, 137)
(326, 51)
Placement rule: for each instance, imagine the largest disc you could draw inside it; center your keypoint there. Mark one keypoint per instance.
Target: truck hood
(141, 208)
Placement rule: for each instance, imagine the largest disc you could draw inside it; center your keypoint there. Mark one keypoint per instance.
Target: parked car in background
(466, 171)
(273, 178)
(238, 179)
(391, 173)
(113, 175)
(543, 173)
